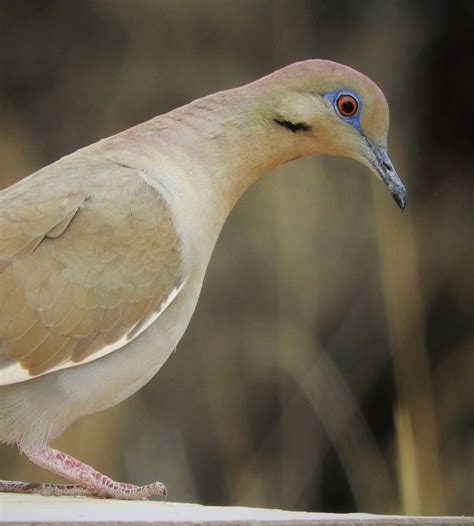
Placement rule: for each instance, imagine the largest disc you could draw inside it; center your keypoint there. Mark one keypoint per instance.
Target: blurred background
(329, 364)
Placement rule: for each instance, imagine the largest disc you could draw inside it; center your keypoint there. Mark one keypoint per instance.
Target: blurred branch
(311, 367)
(420, 481)
(337, 410)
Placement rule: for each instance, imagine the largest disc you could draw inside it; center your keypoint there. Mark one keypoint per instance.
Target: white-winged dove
(103, 253)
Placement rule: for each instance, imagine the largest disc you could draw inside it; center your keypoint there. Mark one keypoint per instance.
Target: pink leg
(87, 480)
(10, 486)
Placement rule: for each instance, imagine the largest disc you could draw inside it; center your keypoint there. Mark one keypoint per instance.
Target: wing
(81, 274)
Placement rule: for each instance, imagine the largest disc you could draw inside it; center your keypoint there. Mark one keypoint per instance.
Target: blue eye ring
(352, 117)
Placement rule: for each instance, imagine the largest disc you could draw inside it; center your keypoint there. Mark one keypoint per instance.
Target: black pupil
(347, 106)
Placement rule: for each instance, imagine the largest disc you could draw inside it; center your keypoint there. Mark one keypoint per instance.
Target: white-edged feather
(15, 373)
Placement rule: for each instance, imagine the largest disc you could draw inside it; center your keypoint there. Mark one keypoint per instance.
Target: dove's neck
(222, 143)
(207, 153)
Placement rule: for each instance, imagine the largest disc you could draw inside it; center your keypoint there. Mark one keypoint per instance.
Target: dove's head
(332, 109)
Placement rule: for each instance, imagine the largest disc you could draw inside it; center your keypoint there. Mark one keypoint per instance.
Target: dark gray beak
(384, 168)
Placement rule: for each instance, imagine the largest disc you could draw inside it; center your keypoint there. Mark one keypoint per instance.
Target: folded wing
(81, 274)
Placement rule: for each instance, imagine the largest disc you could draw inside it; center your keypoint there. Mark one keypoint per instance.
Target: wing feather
(81, 273)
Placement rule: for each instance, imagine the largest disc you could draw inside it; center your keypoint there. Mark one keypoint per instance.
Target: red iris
(347, 105)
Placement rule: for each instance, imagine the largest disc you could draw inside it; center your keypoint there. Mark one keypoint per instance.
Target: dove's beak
(382, 165)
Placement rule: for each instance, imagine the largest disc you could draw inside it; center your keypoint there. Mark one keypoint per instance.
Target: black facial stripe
(294, 127)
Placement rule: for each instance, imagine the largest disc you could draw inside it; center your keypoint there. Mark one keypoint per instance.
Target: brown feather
(72, 282)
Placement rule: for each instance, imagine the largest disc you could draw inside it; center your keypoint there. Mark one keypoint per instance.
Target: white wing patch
(15, 373)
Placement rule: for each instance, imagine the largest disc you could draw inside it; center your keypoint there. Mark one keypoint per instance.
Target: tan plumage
(103, 253)
(80, 270)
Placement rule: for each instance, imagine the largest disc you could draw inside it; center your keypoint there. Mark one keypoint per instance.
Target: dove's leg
(87, 481)
(12, 486)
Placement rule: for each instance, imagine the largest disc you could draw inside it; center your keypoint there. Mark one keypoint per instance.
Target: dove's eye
(347, 105)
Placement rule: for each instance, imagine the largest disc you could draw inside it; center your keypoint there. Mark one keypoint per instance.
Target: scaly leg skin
(87, 480)
(11, 486)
